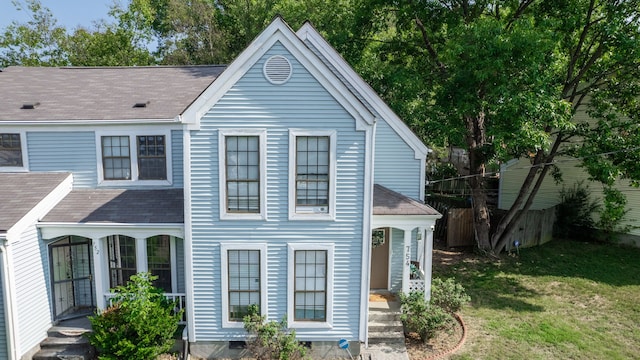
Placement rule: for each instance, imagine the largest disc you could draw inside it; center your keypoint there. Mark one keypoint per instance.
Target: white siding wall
(395, 165)
(255, 103)
(32, 295)
(65, 151)
(549, 193)
(4, 348)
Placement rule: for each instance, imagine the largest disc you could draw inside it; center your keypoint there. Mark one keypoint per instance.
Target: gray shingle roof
(20, 192)
(101, 93)
(389, 202)
(120, 206)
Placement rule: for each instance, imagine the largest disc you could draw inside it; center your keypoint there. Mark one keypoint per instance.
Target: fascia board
(52, 230)
(309, 33)
(278, 30)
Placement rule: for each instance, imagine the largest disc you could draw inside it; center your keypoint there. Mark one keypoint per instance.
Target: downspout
(367, 223)
(7, 291)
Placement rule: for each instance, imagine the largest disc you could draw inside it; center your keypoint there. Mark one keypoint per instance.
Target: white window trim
(224, 277)
(293, 213)
(222, 173)
(133, 148)
(328, 324)
(23, 150)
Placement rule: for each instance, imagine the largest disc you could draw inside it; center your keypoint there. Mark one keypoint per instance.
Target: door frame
(59, 243)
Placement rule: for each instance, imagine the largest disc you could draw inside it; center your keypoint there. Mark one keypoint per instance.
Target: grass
(562, 300)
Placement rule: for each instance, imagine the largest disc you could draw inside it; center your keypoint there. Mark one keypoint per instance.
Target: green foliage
(428, 318)
(448, 294)
(139, 325)
(613, 213)
(574, 214)
(271, 340)
(421, 317)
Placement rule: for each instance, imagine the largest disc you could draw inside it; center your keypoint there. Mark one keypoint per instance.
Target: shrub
(448, 294)
(574, 213)
(427, 318)
(421, 317)
(140, 324)
(271, 340)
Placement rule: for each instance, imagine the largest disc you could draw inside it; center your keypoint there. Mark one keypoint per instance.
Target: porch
(402, 243)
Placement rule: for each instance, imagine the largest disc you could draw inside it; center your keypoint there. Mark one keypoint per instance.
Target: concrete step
(54, 353)
(64, 342)
(375, 316)
(385, 326)
(388, 337)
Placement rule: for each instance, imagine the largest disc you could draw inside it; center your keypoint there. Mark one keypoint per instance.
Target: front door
(71, 278)
(380, 259)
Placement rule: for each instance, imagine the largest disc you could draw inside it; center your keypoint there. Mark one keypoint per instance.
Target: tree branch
(574, 57)
(524, 4)
(430, 48)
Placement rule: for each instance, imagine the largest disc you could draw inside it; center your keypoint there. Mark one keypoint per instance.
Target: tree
(34, 43)
(504, 79)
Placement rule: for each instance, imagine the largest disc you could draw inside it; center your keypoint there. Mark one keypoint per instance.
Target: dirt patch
(382, 297)
(435, 348)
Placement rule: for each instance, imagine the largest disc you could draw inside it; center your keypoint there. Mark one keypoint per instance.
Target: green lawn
(563, 300)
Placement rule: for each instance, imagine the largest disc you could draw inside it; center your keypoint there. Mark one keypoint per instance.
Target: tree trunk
(476, 141)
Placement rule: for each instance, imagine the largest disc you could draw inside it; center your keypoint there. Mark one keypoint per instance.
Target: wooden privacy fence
(456, 226)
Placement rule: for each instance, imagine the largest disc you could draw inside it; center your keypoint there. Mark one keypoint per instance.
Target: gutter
(7, 292)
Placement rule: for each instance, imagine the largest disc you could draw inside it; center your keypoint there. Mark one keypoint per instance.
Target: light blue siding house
(280, 180)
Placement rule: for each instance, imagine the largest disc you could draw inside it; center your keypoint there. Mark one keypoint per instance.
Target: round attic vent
(277, 69)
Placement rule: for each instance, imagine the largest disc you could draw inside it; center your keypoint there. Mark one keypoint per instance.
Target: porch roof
(389, 202)
(162, 206)
(21, 192)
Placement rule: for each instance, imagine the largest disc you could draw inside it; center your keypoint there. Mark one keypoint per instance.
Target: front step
(67, 343)
(385, 325)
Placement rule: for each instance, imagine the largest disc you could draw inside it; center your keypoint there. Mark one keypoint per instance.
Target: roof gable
(278, 32)
(362, 89)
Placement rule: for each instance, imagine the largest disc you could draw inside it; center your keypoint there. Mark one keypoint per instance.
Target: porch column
(141, 255)
(100, 277)
(406, 270)
(428, 253)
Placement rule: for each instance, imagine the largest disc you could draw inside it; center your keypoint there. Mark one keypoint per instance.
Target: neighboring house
(261, 182)
(513, 173)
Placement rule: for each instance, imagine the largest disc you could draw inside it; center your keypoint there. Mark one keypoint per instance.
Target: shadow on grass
(603, 263)
(499, 284)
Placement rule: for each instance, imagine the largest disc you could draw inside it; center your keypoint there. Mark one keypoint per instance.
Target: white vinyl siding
(397, 259)
(300, 103)
(513, 174)
(4, 349)
(33, 290)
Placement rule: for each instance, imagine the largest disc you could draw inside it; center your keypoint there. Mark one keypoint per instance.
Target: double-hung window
(11, 151)
(310, 288)
(242, 174)
(244, 282)
(134, 157)
(312, 174)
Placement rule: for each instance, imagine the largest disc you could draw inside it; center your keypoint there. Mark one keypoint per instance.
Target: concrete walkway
(386, 336)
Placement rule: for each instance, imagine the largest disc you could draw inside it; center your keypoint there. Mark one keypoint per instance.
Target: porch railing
(417, 283)
(180, 299)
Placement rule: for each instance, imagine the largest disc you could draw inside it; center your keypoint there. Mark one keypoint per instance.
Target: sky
(68, 13)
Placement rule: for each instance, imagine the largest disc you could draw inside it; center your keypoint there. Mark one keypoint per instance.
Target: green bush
(574, 213)
(421, 317)
(271, 340)
(139, 325)
(427, 318)
(448, 294)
